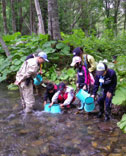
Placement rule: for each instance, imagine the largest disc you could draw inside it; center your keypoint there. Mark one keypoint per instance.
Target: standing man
(29, 69)
(106, 78)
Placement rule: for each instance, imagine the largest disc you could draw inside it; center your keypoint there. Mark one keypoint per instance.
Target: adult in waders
(107, 80)
(29, 69)
(88, 61)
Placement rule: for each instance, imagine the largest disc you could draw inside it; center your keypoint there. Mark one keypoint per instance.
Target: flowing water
(44, 134)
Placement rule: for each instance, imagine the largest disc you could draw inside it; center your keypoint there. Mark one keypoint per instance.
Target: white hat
(75, 60)
(100, 68)
(43, 55)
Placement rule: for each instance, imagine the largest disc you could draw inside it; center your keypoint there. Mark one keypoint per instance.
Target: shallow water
(44, 134)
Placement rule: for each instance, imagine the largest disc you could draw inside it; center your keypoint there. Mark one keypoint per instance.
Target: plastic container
(89, 104)
(82, 95)
(55, 108)
(47, 108)
(37, 80)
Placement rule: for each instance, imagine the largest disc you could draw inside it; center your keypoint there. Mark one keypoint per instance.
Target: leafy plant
(122, 124)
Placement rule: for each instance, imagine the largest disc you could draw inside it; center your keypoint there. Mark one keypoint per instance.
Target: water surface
(44, 134)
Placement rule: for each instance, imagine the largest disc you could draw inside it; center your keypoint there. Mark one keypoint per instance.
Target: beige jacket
(28, 69)
(91, 61)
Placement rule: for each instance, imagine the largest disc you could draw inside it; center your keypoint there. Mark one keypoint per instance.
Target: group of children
(89, 78)
(65, 95)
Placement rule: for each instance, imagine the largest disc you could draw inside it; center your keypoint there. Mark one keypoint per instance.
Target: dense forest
(57, 27)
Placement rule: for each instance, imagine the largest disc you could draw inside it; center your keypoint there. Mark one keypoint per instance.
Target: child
(87, 60)
(83, 78)
(51, 89)
(65, 96)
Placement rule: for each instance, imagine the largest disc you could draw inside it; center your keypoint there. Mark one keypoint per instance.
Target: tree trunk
(20, 16)
(53, 21)
(125, 17)
(31, 16)
(41, 29)
(13, 16)
(4, 16)
(117, 4)
(4, 47)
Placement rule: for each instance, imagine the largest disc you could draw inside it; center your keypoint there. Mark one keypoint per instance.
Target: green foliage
(121, 65)
(59, 54)
(120, 68)
(12, 87)
(120, 96)
(122, 123)
(75, 39)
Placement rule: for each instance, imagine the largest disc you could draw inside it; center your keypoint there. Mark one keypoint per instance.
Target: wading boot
(100, 114)
(107, 118)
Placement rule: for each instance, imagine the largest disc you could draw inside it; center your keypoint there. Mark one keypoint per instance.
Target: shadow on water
(43, 134)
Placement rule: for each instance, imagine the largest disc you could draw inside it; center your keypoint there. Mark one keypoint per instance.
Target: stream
(45, 134)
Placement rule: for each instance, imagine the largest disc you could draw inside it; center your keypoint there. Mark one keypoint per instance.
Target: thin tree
(53, 20)
(41, 29)
(4, 16)
(13, 15)
(116, 9)
(4, 47)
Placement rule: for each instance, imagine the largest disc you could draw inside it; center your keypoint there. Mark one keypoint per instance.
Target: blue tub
(47, 108)
(37, 80)
(89, 104)
(55, 108)
(82, 95)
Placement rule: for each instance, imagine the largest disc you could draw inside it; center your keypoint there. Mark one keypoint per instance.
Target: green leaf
(12, 87)
(119, 97)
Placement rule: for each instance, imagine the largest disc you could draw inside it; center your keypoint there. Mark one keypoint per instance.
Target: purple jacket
(110, 82)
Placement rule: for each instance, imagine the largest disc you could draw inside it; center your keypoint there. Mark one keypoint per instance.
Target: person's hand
(40, 72)
(51, 104)
(77, 85)
(62, 105)
(109, 95)
(16, 83)
(44, 103)
(84, 87)
(93, 96)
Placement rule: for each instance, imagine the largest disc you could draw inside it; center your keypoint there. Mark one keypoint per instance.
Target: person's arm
(45, 97)
(113, 83)
(69, 98)
(27, 71)
(96, 86)
(54, 98)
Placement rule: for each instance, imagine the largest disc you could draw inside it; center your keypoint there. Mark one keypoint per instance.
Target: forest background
(59, 26)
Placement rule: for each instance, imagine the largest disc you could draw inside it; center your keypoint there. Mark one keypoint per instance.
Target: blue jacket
(110, 81)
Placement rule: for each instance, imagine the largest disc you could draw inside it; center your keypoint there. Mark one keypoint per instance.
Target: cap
(100, 68)
(75, 60)
(44, 56)
(77, 51)
(50, 86)
(62, 85)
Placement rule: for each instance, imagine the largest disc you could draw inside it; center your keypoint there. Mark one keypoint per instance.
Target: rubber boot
(107, 118)
(100, 114)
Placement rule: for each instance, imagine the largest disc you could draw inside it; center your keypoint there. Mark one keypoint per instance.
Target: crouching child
(51, 89)
(65, 96)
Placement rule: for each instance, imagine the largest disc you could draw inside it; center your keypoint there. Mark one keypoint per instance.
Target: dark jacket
(48, 95)
(110, 81)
